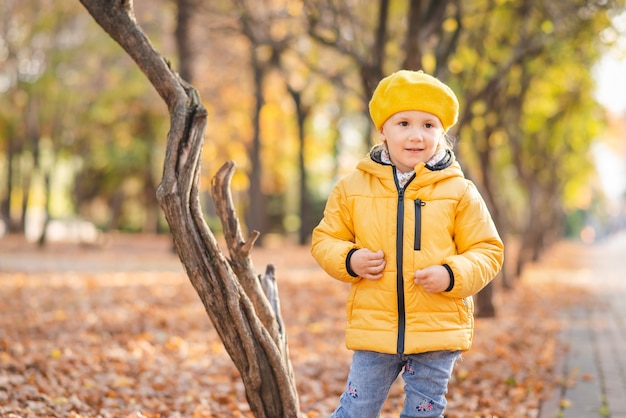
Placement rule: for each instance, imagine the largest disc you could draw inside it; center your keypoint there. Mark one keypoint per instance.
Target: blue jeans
(425, 375)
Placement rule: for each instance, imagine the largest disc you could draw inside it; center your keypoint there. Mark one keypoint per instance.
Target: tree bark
(229, 288)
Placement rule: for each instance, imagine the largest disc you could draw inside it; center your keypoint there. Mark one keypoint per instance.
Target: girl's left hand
(433, 279)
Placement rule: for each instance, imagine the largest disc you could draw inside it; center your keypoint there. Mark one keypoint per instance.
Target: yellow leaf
(55, 353)
(316, 327)
(462, 374)
(122, 381)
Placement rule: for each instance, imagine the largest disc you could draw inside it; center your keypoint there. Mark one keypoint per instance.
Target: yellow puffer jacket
(366, 209)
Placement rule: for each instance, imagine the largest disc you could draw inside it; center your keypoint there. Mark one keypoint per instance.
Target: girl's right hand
(368, 264)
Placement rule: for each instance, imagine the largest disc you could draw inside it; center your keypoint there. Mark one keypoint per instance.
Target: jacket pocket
(417, 244)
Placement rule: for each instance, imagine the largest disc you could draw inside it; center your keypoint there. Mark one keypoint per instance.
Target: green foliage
(529, 96)
(78, 90)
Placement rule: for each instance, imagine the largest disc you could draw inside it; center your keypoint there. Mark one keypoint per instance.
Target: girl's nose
(415, 135)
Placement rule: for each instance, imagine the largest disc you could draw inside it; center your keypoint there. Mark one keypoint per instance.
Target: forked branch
(229, 289)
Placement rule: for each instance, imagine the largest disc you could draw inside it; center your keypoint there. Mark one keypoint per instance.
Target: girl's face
(412, 137)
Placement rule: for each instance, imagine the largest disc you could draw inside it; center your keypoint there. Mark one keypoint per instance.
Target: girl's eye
(428, 125)
(404, 123)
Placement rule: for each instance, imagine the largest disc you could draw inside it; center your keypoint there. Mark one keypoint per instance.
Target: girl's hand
(368, 264)
(433, 279)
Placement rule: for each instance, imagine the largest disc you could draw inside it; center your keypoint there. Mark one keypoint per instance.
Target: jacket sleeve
(480, 251)
(333, 239)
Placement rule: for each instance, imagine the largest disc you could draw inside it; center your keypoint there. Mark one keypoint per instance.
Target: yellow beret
(413, 90)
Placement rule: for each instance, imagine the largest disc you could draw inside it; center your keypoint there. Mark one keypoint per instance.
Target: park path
(592, 368)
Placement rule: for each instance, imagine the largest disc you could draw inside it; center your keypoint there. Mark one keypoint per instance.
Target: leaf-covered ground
(118, 331)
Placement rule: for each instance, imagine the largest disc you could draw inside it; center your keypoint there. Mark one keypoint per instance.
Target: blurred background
(542, 129)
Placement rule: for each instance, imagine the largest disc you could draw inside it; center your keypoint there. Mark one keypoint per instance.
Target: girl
(416, 241)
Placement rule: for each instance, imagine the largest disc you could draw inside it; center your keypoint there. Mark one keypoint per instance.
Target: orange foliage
(119, 331)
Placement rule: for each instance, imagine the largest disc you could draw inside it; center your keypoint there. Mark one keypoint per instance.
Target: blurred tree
(375, 46)
(270, 29)
(256, 20)
(349, 31)
(482, 49)
(292, 65)
(507, 50)
(185, 10)
(52, 118)
(21, 63)
(521, 69)
(295, 88)
(277, 136)
(431, 36)
(38, 47)
(120, 135)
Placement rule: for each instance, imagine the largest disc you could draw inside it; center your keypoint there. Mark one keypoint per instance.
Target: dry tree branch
(228, 288)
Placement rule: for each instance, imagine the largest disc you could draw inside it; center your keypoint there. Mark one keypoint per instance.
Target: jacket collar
(376, 154)
(424, 174)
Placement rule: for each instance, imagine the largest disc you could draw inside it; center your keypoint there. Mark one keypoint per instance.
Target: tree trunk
(256, 217)
(306, 223)
(185, 9)
(229, 288)
(5, 206)
(484, 302)
(425, 19)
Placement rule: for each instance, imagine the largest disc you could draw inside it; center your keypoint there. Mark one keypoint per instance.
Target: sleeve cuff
(348, 269)
(451, 286)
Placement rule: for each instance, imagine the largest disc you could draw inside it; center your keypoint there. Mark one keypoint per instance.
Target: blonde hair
(447, 142)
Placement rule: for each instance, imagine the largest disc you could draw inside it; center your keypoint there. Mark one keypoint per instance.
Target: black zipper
(399, 262)
(417, 245)
(399, 278)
